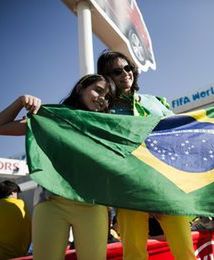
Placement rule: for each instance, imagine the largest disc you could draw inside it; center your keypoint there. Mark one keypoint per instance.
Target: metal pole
(86, 57)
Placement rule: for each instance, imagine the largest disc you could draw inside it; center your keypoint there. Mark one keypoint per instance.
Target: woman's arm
(8, 124)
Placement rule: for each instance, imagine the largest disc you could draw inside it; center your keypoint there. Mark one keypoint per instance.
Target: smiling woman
(53, 217)
(93, 92)
(134, 224)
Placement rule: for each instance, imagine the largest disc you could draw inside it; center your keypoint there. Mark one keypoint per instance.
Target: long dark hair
(106, 60)
(74, 98)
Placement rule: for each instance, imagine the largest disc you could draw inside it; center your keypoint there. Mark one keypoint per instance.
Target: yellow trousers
(134, 229)
(52, 220)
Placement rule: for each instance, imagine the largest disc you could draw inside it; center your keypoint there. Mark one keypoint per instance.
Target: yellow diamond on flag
(186, 181)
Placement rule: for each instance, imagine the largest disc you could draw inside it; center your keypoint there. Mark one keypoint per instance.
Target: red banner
(158, 249)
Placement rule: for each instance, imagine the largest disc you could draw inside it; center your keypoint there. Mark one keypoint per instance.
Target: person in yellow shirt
(15, 222)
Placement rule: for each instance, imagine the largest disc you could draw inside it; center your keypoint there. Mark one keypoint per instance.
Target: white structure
(197, 99)
(11, 168)
(85, 42)
(121, 29)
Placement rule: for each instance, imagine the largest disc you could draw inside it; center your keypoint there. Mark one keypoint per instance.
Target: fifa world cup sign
(120, 25)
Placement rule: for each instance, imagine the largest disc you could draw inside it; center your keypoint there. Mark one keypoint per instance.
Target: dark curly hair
(106, 60)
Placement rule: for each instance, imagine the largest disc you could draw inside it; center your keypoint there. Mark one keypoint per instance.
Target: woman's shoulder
(154, 103)
(148, 97)
(142, 97)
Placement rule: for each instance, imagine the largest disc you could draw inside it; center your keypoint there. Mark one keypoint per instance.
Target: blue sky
(39, 51)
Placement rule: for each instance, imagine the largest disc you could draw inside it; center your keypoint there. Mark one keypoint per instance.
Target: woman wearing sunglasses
(133, 224)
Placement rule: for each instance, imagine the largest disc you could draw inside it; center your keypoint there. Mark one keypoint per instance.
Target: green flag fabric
(125, 161)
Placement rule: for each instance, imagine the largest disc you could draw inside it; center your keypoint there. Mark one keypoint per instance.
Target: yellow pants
(52, 220)
(134, 229)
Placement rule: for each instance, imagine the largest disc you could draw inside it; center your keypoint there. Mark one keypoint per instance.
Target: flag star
(205, 159)
(173, 158)
(186, 141)
(182, 144)
(155, 142)
(204, 141)
(186, 152)
(210, 151)
(211, 156)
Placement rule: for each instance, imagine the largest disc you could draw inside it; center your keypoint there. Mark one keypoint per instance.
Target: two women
(53, 217)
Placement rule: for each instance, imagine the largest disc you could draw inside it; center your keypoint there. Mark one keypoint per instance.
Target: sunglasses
(119, 71)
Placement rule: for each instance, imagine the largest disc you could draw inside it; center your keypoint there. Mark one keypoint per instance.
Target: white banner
(120, 25)
(13, 167)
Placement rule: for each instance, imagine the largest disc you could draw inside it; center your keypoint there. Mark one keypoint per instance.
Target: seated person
(15, 222)
(202, 223)
(113, 235)
(154, 227)
(115, 230)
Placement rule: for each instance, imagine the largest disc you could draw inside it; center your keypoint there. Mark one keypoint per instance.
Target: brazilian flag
(143, 163)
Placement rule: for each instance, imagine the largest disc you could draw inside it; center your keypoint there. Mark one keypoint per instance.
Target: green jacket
(147, 104)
